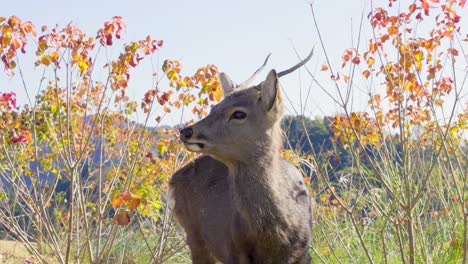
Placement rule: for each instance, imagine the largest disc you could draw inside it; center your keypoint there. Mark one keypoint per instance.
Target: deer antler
(285, 72)
(248, 81)
(297, 66)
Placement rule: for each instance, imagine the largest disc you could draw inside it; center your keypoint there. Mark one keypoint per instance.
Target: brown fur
(242, 203)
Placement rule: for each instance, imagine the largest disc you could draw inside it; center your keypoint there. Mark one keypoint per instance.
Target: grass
(13, 252)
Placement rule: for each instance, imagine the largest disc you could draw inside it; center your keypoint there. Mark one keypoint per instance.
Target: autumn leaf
(161, 148)
(122, 218)
(116, 202)
(356, 60)
(134, 203)
(453, 130)
(218, 94)
(392, 30)
(324, 67)
(372, 47)
(366, 73)
(126, 196)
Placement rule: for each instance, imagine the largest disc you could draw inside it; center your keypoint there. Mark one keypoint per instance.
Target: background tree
(75, 171)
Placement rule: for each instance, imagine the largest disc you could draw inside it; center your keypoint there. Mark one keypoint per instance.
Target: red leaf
(425, 7)
(126, 196)
(122, 218)
(134, 203)
(109, 40)
(356, 60)
(20, 139)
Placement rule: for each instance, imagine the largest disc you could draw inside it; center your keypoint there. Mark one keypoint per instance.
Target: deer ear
(226, 84)
(269, 90)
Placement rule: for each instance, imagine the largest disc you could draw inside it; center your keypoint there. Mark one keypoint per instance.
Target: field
(89, 144)
(13, 252)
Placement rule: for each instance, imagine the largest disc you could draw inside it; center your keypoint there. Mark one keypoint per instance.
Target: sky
(234, 35)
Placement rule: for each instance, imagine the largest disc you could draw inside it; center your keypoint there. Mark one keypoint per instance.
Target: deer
(240, 202)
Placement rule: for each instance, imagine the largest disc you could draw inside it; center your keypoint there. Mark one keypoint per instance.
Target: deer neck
(255, 181)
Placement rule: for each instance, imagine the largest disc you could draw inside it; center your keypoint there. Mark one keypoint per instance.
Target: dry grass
(13, 252)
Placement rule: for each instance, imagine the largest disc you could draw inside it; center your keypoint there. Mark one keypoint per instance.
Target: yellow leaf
(409, 86)
(45, 60)
(453, 130)
(161, 149)
(404, 49)
(83, 65)
(218, 94)
(418, 58)
(54, 56)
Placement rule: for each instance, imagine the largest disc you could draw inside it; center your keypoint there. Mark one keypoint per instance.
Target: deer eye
(238, 115)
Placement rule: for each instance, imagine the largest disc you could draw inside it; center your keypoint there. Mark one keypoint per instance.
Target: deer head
(238, 123)
(243, 122)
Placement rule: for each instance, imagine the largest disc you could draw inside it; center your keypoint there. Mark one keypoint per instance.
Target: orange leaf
(370, 61)
(116, 202)
(16, 43)
(425, 7)
(392, 30)
(122, 218)
(366, 73)
(372, 47)
(324, 67)
(346, 57)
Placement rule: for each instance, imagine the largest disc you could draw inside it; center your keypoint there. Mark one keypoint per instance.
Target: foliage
(80, 181)
(75, 171)
(315, 136)
(404, 199)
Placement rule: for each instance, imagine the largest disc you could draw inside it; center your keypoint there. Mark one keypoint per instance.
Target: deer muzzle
(190, 140)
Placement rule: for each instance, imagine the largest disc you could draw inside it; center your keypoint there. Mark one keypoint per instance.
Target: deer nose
(186, 133)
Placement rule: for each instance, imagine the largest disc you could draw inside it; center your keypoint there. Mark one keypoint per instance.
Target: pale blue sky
(235, 35)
